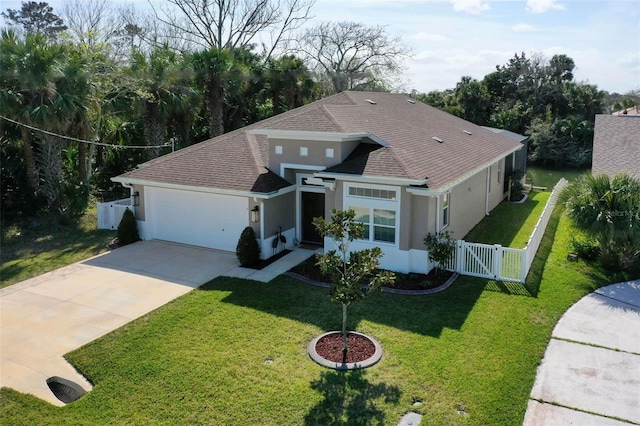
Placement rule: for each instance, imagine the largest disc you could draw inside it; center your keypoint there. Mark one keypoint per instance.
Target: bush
(517, 189)
(248, 250)
(585, 249)
(128, 229)
(440, 247)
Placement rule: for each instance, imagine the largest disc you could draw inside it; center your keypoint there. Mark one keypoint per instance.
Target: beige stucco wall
(279, 211)
(316, 153)
(468, 202)
(139, 209)
(422, 221)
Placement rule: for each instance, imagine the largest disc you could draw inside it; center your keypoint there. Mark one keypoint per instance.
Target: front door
(312, 206)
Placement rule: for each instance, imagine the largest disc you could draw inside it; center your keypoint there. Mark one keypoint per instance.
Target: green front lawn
(469, 354)
(35, 246)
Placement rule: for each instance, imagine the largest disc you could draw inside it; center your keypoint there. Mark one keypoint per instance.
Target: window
(329, 152)
(445, 210)
(499, 169)
(278, 149)
(383, 226)
(356, 191)
(304, 151)
(377, 207)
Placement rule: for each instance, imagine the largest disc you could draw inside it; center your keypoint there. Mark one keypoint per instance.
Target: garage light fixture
(255, 214)
(136, 198)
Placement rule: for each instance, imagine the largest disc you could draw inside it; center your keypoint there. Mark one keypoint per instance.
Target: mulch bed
(266, 262)
(330, 347)
(412, 281)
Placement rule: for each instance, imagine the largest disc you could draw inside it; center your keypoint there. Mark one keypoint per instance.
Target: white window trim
(446, 210)
(375, 203)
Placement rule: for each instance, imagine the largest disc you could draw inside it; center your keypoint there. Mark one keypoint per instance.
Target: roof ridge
(250, 140)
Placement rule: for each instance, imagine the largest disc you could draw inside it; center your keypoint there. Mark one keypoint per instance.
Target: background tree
(36, 18)
(349, 270)
(232, 24)
(609, 211)
(353, 56)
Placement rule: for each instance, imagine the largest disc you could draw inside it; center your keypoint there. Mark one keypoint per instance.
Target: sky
(455, 38)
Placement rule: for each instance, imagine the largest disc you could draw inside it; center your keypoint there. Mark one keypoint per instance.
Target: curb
(343, 366)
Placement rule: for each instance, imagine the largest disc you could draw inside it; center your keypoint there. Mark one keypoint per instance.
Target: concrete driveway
(590, 374)
(45, 317)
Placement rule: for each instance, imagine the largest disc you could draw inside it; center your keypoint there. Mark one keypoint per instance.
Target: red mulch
(330, 347)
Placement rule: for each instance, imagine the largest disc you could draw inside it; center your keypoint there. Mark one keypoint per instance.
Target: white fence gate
(110, 214)
(503, 263)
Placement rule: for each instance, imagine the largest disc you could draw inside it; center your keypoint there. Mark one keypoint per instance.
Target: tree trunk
(344, 331)
(216, 112)
(154, 130)
(50, 162)
(32, 173)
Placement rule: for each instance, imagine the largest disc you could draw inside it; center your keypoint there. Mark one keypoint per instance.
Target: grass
(33, 247)
(509, 224)
(200, 359)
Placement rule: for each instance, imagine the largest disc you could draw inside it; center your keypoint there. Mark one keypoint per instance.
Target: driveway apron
(590, 374)
(45, 317)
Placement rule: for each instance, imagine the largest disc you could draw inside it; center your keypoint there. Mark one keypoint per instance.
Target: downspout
(437, 214)
(486, 198)
(130, 186)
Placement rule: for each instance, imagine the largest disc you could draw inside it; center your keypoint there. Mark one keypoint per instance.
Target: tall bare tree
(352, 55)
(231, 24)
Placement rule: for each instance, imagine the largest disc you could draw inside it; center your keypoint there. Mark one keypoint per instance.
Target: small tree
(440, 247)
(353, 273)
(128, 229)
(248, 250)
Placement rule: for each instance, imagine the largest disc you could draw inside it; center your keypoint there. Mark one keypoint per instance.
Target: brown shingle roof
(238, 160)
(616, 145)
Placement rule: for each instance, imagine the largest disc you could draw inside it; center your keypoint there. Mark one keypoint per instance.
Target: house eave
(450, 185)
(370, 179)
(222, 191)
(300, 135)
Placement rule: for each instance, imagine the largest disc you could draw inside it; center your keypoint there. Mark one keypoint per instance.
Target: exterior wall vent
(467, 132)
(372, 102)
(437, 139)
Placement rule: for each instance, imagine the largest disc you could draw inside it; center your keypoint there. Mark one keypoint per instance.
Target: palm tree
(159, 88)
(213, 67)
(29, 69)
(609, 210)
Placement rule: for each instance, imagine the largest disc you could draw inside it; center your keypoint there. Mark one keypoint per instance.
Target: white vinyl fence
(110, 214)
(503, 263)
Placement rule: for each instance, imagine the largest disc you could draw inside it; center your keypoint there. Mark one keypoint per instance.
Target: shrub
(585, 248)
(517, 189)
(440, 247)
(128, 229)
(248, 250)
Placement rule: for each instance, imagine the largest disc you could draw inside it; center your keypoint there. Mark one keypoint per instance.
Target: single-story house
(406, 168)
(616, 145)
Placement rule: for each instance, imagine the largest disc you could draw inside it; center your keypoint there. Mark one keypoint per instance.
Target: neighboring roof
(616, 145)
(238, 160)
(628, 111)
(515, 136)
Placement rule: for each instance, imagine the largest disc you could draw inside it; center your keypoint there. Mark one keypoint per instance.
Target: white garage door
(196, 218)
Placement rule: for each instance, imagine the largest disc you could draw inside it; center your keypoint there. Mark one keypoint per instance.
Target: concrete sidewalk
(43, 318)
(590, 374)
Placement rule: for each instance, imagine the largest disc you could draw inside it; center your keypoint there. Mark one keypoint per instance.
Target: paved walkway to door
(45, 317)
